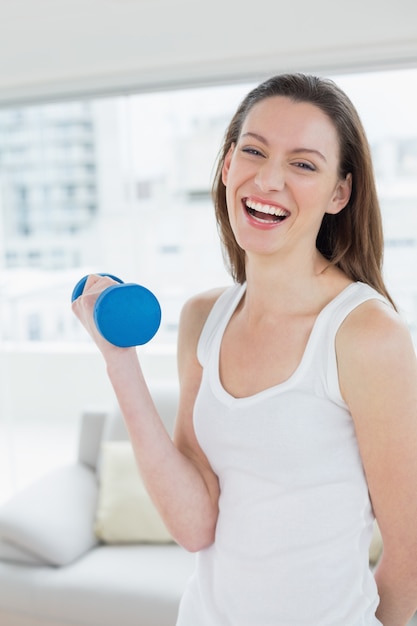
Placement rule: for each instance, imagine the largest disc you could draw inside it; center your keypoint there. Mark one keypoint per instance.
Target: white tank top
(295, 519)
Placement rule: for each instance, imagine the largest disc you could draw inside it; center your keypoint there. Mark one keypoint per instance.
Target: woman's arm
(178, 477)
(378, 379)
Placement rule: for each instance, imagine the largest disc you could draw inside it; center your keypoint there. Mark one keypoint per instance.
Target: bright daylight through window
(122, 185)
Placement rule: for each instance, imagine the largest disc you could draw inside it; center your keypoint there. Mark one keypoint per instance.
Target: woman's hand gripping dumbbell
(125, 314)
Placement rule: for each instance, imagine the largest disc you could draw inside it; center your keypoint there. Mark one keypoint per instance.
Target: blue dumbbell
(125, 314)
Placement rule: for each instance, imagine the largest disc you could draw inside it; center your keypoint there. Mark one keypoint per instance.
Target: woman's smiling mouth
(265, 213)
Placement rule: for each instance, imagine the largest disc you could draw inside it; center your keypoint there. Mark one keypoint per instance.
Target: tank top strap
(347, 300)
(322, 342)
(217, 319)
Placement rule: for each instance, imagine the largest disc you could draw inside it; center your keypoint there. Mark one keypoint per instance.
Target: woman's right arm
(177, 475)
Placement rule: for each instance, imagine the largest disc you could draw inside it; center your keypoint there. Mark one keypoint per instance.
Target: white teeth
(265, 208)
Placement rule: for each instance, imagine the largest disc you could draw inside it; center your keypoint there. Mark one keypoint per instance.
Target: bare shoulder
(371, 328)
(193, 317)
(374, 346)
(196, 310)
(203, 302)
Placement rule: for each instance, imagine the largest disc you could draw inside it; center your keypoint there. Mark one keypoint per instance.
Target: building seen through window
(122, 185)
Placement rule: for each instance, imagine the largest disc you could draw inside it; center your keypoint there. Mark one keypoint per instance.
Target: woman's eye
(305, 166)
(253, 151)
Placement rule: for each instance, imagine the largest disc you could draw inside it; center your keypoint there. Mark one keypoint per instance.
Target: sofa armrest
(53, 519)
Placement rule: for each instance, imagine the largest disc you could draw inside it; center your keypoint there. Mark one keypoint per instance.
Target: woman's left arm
(378, 379)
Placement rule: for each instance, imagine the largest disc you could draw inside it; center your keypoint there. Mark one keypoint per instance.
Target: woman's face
(281, 176)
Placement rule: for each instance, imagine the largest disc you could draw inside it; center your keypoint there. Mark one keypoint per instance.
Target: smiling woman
(282, 345)
(321, 460)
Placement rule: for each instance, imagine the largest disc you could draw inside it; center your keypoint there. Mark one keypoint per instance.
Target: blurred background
(111, 117)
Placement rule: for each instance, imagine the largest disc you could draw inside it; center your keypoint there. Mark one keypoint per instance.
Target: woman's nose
(270, 176)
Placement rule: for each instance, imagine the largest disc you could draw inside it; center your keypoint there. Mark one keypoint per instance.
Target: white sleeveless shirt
(295, 519)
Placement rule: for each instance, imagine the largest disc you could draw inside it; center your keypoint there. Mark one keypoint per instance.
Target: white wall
(59, 384)
(42, 397)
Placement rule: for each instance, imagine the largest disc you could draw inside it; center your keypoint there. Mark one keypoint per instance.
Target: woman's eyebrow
(311, 151)
(256, 136)
(295, 150)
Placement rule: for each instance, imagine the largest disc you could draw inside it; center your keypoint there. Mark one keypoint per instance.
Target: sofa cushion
(125, 512)
(130, 585)
(53, 518)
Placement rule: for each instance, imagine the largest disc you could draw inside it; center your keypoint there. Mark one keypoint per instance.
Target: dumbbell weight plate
(127, 314)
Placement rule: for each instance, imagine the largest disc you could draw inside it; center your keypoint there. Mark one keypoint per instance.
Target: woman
(297, 418)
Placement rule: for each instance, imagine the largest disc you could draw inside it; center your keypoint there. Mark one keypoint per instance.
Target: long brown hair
(353, 238)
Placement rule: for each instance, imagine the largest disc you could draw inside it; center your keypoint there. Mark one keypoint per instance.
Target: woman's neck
(293, 286)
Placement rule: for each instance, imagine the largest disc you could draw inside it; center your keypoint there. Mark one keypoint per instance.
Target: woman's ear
(342, 195)
(226, 164)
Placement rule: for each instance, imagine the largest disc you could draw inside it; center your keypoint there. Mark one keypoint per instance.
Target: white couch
(54, 571)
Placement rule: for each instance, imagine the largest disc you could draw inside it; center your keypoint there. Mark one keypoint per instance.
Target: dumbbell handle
(125, 314)
(79, 287)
